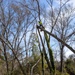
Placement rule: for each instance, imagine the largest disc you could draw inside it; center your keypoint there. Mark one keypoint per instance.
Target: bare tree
(16, 25)
(60, 21)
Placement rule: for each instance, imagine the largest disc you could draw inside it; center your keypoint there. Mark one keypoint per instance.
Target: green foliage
(17, 72)
(1, 62)
(70, 66)
(59, 73)
(1, 57)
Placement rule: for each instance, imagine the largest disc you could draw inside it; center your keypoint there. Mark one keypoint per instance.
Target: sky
(73, 1)
(68, 52)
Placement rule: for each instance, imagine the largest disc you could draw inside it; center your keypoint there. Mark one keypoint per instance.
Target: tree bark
(57, 39)
(6, 60)
(61, 57)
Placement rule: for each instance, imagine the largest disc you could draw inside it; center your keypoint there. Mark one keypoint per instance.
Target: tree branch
(57, 39)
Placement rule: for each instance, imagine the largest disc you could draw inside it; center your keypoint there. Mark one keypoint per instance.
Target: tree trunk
(61, 58)
(6, 60)
(42, 55)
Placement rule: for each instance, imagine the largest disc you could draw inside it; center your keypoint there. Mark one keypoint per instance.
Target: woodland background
(26, 48)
